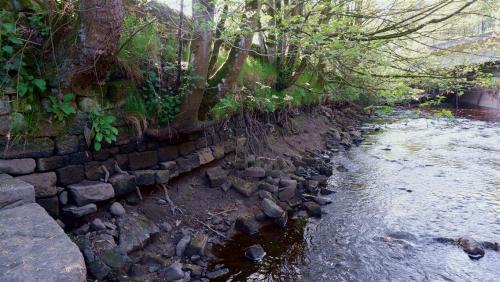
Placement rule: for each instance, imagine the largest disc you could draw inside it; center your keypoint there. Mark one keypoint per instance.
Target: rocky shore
(167, 233)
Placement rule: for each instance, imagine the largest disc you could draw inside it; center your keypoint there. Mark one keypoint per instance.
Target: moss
(119, 90)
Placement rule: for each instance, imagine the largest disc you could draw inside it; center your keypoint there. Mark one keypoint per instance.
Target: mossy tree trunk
(203, 14)
(97, 44)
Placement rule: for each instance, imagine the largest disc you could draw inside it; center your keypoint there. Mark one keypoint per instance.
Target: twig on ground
(173, 207)
(138, 192)
(211, 229)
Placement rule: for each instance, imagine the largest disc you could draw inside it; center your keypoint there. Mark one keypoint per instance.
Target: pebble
(255, 252)
(97, 224)
(174, 272)
(165, 226)
(182, 245)
(117, 209)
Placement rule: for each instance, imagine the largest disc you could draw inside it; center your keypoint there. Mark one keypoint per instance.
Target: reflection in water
(414, 181)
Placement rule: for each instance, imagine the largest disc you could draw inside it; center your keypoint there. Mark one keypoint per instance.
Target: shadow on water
(285, 251)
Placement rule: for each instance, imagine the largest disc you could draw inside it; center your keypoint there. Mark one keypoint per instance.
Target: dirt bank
(240, 193)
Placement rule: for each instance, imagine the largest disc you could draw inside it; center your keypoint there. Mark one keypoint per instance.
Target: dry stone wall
(69, 178)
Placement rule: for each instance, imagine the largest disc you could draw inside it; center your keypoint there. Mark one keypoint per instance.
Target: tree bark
(218, 40)
(226, 76)
(203, 14)
(97, 44)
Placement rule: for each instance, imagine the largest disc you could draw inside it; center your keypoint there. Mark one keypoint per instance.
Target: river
(410, 182)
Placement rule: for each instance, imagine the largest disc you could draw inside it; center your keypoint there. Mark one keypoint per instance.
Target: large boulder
(17, 166)
(135, 232)
(15, 192)
(35, 248)
(271, 209)
(87, 192)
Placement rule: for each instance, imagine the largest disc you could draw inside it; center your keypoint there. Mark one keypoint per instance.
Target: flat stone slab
(87, 192)
(34, 248)
(135, 232)
(14, 192)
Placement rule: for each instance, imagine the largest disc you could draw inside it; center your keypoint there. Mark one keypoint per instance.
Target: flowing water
(405, 185)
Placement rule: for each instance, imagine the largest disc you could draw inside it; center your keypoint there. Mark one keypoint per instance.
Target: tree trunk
(203, 14)
(218, 41)
(226, 76)
(97, 44)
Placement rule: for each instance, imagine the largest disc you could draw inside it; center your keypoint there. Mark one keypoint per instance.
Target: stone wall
(69, 178)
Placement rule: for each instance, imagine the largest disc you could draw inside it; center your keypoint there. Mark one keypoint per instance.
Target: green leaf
(68, 109)
(40, 83)
(97, 146)
(109, 119)
(15, 40)
(8, 49)
(9, 27)
(99, 137)
(22, 88)
(69, 97)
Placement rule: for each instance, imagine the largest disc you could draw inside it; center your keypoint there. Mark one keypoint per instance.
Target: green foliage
(443, 113)
(102, 129)
(161, 105)
(225, 108)
(62, 109)
(436, 101)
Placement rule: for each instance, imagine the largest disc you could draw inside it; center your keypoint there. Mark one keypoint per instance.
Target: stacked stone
(69, 179)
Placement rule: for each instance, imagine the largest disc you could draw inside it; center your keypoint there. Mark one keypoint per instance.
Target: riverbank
(241, 193)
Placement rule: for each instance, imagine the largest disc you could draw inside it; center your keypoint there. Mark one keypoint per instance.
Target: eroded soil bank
(247, 192)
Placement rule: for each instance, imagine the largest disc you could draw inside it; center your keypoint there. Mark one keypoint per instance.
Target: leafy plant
(161, 103)
(102, 129)
(62, 108)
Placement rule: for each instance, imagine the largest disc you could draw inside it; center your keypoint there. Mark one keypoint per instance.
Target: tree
(97, 44)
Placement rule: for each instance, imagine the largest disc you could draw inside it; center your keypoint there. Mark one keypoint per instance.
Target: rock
(162, 176)
(471, 247)
(71, 174)
(170, 165)
(197, 245)
(195, 270)
(44, 183)
(271, 209)
(63, 198)
(205, 156)
(326, 191)
(142, 160)
(145, 177)
(135, 232)
(288, 183)
(287, 193)
(94, 171)
(67, 145)
(322, 201)
(313, 209)
(246, 224)
(255, 253)
(82, 230)
(122, 184)
(17, 166)
(133, 199)
(217, 273)
(51, 205)
(255, 172)
(115, 258)
(14, 192)
(50, 163)
(97, 224)
(174, 272)
(77, 212)
(37, 148)
(188, 163)
(4, 105)
(242, 186)
(268, 187)
(217, 176)
(87, 192)
(117, 209)
(165, 226)
(265, 195)
(182, 245)
(218, 150)
(35, 248)
(168, 153)
(187, 148)
(275, 173)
